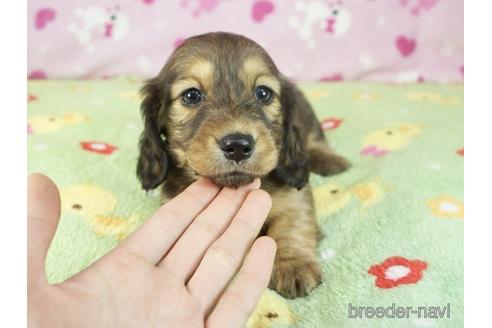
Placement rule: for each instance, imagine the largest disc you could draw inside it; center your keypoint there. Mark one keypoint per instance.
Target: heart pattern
(43, 17)
(406, 46)
(315, 40)
(261, 9)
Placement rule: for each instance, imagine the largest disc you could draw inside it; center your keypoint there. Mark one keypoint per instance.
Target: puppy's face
(224, 118)
(216, 108)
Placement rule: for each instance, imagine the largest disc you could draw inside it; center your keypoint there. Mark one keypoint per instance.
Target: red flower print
(37, 75)
(397, 270)
(330, 123)
(461, 151)
(98, 147)
(107, 77)
(332, 78)
(31, 98)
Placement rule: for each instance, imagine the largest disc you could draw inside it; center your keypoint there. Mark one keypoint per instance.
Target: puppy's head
(220, 109)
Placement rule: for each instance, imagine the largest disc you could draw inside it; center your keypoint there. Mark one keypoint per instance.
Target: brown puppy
(221, 109)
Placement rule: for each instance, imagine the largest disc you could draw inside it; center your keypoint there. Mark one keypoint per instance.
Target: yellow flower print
(130, 95)
(272, 310)
(330, 198)
(433, 98)
(46, 124)
(380, 142)
(317, 94)
(81, 88)
(95, 205)
(365, 96)
(87, 200)
(369, 193)
(446, 207)
(113, 225)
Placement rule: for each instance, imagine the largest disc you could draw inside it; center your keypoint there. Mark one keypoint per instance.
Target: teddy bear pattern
(95, 23)
(311, 17)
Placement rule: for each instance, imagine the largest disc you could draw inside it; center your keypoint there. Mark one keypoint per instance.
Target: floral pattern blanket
(392, 255)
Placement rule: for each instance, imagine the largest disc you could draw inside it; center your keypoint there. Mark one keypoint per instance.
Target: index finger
(225, 255)
(156, 236)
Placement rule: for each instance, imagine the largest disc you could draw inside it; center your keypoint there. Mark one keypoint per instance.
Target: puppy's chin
(233, 179)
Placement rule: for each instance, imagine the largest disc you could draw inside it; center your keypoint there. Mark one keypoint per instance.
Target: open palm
(174, 271)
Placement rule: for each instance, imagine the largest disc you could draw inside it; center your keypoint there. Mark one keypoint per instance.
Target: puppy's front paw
(329, 164)
(295, 277)
(338, 164)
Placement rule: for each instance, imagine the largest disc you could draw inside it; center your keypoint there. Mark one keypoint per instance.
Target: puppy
(221, 109)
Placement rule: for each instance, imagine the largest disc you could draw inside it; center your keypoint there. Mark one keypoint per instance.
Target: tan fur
(199, 74)
(273, 111)
(254, 67)
(254, 74)
(291, 225)
(322, 159)
(201, 152)
(205, 157)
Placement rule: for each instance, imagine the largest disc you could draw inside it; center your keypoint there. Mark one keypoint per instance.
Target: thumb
(43, 213)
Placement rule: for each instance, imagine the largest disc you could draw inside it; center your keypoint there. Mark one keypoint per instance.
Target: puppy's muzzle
(237, 146)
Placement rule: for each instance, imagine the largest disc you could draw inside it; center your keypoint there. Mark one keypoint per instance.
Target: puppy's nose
(237, 146)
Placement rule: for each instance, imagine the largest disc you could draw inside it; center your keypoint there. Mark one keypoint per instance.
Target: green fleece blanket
(393, 222)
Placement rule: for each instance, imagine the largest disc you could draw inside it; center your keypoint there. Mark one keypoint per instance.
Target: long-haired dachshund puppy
(221, 109)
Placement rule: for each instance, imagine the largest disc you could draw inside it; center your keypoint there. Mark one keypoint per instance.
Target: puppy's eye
(191, 97)
(263, 94)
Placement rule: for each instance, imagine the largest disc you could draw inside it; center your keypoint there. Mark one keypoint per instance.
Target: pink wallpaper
(370, 40)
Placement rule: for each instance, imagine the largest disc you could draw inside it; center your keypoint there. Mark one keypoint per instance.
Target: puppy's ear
(292, 167)
(153, 162)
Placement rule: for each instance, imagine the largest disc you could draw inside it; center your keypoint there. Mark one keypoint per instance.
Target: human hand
(174, 271)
